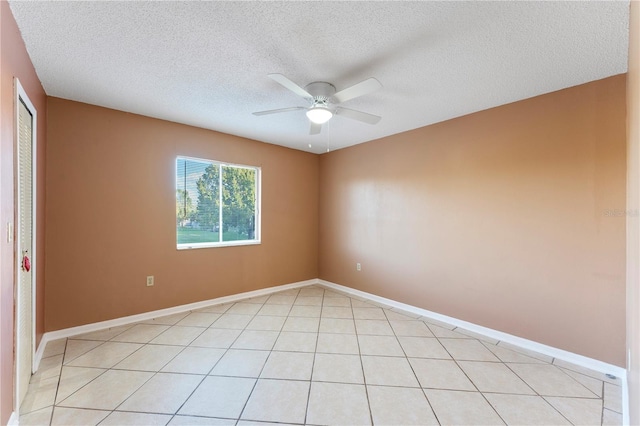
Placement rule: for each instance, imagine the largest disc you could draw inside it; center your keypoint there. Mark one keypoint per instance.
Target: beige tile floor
(307, 356)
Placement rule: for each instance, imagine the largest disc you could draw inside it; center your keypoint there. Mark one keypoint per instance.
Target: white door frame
(21, 95)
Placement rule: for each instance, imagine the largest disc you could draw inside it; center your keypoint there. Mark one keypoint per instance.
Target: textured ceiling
(206, 63)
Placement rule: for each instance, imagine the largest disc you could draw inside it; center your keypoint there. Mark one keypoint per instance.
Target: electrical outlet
(149, 280)
(358, 267)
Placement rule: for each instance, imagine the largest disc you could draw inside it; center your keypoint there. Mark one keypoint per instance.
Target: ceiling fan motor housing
(321, 92)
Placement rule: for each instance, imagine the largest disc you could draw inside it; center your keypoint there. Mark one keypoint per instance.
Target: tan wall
(497, 218)
(15, 62)
(111, 216)
(633, 221)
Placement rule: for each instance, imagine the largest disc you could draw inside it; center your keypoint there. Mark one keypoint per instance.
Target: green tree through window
(184, 207)
(225, 209)
(208, 210)
(239, 199)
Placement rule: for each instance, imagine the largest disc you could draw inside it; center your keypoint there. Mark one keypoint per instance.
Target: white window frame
(258, 221)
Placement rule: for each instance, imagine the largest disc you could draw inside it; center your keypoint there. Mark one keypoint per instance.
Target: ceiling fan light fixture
(319, 114)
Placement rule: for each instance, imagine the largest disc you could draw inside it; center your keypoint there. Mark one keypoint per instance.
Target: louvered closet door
(25, 219)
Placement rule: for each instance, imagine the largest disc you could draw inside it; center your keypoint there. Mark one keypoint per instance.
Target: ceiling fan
(324, 101)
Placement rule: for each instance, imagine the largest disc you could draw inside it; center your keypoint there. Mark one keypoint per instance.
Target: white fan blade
(360, 89)
(276, 111)
(358, 115)
(291, 85)
(315, 128)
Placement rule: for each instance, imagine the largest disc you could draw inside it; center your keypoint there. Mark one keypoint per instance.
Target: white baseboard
(494, 335)
(488, 333)
(13, 420)
(500, 337)
(96, 326)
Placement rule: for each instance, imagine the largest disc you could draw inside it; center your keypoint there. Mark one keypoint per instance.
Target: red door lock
(26, 263)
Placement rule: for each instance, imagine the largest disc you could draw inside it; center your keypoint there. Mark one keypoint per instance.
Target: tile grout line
(364, 376)
(55, 403)
(212, 367)
(55, 396)
(602, 411)
(226, 351)
(184, 348)
(545, 397)
(112, 368)
(266, 360)
(313, 363)
(469, 378)
(580, 384)
(537, 393)
(155, 373)
(406, 357)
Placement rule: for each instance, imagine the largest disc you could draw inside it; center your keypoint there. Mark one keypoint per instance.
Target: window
(216, 204)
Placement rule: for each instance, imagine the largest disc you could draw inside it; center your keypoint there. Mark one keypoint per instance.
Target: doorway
(25, 246)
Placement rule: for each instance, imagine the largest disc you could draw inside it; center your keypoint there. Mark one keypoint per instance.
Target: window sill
(214, 245)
